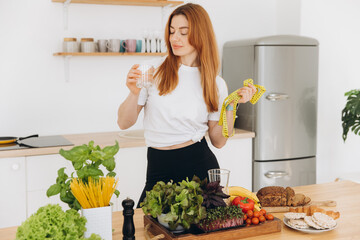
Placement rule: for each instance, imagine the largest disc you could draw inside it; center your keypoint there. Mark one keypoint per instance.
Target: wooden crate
(229, 234)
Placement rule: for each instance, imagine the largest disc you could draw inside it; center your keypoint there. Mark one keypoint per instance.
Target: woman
(183, 103)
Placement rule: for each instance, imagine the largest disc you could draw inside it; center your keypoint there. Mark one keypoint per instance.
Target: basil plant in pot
(87, 160)
(351, 113)
(176, 206)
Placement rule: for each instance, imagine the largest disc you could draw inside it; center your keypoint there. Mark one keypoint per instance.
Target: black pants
(177, 164)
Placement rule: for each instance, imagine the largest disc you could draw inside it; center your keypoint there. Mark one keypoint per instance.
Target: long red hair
(202, 38)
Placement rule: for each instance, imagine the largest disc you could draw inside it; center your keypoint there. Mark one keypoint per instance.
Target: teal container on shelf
(138, 45)
(122, 49)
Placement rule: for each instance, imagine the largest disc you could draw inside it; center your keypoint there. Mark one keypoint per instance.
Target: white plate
(308, 230)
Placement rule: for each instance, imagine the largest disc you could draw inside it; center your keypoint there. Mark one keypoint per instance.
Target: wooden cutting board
(156, 229)
(327, 203)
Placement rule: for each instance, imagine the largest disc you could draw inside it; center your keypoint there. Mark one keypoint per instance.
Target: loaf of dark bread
(290, 194)
(299, 200)
(272, 196)
(276, 196)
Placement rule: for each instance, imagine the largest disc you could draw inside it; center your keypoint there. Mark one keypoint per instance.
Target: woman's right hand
(131, 79)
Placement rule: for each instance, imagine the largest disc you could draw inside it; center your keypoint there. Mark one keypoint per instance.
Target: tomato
(250, 213)
(262, 218)
(257, 214)
(245, 217)
(255, 220)
(248, 221)
(263, 212)
(243, 202)
(269, 217)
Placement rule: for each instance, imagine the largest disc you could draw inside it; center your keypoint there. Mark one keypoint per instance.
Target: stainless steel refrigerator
(284, 119)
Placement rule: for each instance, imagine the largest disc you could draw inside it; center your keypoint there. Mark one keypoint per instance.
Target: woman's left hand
(246, 93)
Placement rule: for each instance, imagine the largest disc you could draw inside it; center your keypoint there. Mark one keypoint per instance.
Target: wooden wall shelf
(108, 54)
(164, 4)
(155, 3)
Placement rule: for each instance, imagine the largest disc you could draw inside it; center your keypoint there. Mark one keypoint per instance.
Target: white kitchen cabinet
(41, 174)
(236, 156)
(37, 199)
(42, 170)
(131, 169)
(13, 191)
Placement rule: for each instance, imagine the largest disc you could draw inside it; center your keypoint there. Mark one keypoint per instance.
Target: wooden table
(345, 193)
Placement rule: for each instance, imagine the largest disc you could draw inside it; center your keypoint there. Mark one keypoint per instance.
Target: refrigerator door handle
(277, 96)
(276, 174)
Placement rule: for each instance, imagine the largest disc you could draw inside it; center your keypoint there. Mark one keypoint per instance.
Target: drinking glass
(147, 76)
(150, 38)
(146, 37)
(221, 175)
(157, 36)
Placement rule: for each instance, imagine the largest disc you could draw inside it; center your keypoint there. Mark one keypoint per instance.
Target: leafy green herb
(222, 217)
(180, 202)
(213, 195)
(351, 113)
(51, 222)
(86, 160)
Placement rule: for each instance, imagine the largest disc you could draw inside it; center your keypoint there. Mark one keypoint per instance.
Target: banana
(240, 191)
(257, 206)
(232, 197)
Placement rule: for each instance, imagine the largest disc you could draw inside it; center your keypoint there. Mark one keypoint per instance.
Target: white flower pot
(99, 221)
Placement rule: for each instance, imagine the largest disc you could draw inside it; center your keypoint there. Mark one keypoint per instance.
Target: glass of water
(221, 175)
(147, 76)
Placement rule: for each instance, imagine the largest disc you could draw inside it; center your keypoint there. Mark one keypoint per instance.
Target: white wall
(34, 97)
(288, 17)
(335, 23)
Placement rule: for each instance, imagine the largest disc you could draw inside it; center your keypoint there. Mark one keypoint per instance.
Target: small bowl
(178, 229)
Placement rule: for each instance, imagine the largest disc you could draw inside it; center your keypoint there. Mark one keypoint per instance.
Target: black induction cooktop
(37, 142)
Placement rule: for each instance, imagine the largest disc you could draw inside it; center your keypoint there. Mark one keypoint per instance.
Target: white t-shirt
(181, 115)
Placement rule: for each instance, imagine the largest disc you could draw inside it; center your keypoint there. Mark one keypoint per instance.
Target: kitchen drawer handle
(15, 166)
(276, 96)
(276, 174)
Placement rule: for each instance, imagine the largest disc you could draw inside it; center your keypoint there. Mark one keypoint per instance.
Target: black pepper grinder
(128, 226)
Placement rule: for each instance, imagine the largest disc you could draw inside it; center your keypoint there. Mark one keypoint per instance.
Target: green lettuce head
(51, 222)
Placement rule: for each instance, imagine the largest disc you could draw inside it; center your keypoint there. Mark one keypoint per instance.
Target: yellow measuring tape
(234, 97)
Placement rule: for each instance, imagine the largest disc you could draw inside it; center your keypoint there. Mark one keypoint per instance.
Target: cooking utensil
(6, 140)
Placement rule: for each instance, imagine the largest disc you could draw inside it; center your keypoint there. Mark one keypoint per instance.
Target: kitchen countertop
(345, 193)
(126, 139)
